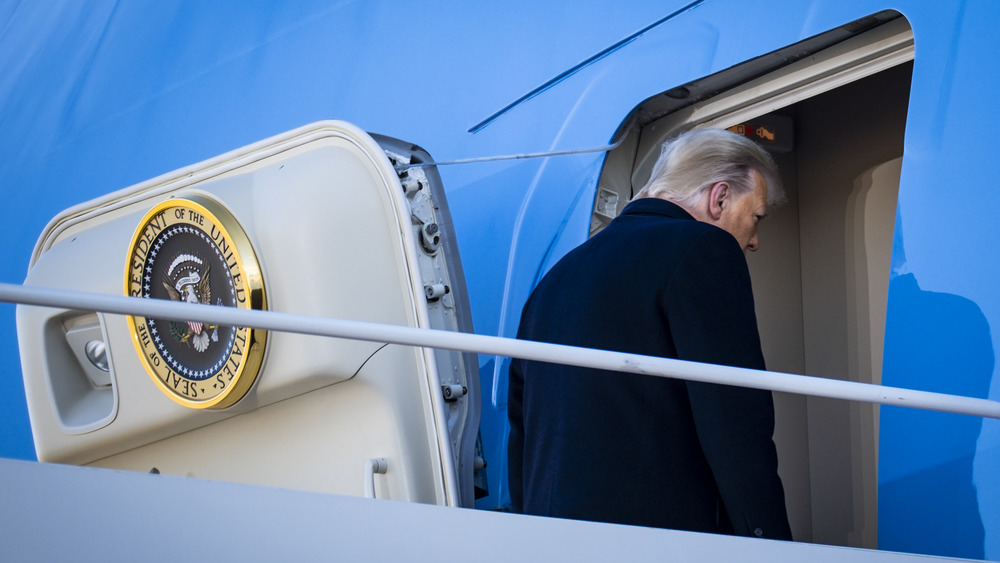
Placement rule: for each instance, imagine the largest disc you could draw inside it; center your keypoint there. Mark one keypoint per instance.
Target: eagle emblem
(187, 280)
(190, 249)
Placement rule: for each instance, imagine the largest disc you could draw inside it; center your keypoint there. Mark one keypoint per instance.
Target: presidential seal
(191, 249)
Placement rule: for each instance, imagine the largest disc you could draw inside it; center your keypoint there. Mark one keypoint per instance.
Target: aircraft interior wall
(821, 283)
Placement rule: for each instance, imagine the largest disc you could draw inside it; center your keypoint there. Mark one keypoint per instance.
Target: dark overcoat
(633, 449)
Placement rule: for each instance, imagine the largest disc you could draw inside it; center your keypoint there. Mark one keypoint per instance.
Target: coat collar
(656, 206)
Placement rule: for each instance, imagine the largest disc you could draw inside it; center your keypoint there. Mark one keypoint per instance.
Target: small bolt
(97, 353)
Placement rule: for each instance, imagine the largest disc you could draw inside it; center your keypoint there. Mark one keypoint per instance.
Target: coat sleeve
(709, 306)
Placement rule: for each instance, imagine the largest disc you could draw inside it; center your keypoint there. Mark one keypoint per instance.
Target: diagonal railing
(498, 346)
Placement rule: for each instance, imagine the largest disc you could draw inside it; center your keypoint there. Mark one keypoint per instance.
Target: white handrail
(497, 346)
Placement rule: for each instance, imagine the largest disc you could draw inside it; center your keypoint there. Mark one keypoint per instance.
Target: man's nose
(753, 245)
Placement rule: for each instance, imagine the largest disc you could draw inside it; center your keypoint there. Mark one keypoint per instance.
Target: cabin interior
(821, 275)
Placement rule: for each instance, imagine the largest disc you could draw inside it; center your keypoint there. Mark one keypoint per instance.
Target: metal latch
(453, 392)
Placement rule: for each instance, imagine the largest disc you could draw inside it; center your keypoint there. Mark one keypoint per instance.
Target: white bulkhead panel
(333, 233)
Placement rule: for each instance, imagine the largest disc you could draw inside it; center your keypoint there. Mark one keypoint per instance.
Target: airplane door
(316, 221)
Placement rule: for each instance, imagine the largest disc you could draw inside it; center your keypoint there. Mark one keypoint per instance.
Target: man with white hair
(667, 278)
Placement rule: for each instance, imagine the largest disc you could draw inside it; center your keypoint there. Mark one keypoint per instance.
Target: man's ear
(718, 199)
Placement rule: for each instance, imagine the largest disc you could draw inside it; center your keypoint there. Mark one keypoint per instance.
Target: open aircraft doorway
(832, 110)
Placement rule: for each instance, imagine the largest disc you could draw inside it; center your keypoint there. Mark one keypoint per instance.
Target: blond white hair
(695, 161)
